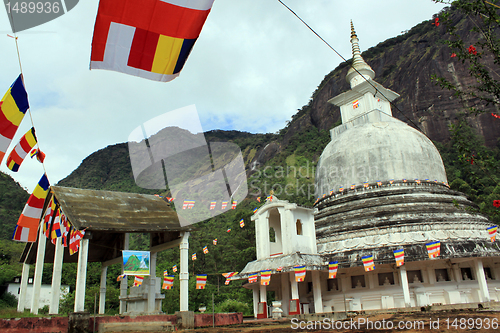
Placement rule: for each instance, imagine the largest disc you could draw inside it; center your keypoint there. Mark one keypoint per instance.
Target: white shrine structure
(382, 186)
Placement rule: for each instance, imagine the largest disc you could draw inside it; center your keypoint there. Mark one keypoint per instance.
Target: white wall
(45, 292)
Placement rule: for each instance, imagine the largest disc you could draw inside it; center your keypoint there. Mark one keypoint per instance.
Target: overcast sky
(252, 67)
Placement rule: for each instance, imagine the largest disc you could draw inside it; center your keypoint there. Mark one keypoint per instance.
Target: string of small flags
(378, 183)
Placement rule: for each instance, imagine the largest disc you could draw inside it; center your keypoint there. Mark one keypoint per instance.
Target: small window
(332, 284)
(487, 273)
(298, 225)
(357, 281)
(414, 276)
(272, 235)
(466, 273)
(385, 279)
(441, 275)
(30, 280)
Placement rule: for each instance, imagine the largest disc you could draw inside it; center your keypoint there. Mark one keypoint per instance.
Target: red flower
(453, 55)
(436, 22)
(496, 203)
(472, 50)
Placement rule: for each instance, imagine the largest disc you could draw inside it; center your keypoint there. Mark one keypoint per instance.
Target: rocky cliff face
(405, 64)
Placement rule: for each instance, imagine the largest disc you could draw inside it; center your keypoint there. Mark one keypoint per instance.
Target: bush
(231, 305)
(8, 300)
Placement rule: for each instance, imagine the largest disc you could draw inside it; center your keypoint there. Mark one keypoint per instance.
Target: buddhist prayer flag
(32, 212)
(434, 249)
(214, 241)
(47, 219)
(65, 227)
(17, 155)
(279, 269)
(252, 278)
(165, 272)
(56, 227)
(120, 277)
(399, 255)
(228, 275)
(147, 38)
(379, 183)
(168, 282)
(185, 205)
(355, 104)
(201, 281)
(224, 204)
(193, 256)
(255, 210)
(21, 234)
(13, 107)
(365, 184)
(492, 231)
(138, 280)
(174, 268)
(170, 199)
(242, 223)
(234, 204)
(258, 199)
(229, 230)
(227, 282)
(353, 186)
(341, 189)
(265, 277)
(212, 205)
(205, 249)
(300, 273)
(368, 263)
(74, 241)
(333, 267)
(269, 198)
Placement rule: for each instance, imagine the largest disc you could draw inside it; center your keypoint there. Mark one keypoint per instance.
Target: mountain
(12, 200)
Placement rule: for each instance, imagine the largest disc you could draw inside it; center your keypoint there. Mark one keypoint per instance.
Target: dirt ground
(417, 322)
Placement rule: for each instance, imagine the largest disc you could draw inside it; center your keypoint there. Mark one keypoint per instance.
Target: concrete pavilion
(381, 186)
(108, 218)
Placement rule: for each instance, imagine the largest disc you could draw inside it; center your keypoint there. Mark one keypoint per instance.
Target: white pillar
(318, 300)
(404, 284)
(456, 272)
(263, 294)
(184, 275)
(102, 290)
(255, 301)
(81, 275)
(285, 293)
(56, 278)
(37, 280)
(152, 283)
(481, 280)
(23, 288)
(294, 286)
(123, 282)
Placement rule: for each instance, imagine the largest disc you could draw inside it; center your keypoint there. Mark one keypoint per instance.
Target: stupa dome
(378, 151)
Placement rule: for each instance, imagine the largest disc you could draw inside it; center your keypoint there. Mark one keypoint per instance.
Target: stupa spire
(358, 63)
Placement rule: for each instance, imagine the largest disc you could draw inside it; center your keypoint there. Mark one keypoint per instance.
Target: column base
(262, 310)
(294, 307)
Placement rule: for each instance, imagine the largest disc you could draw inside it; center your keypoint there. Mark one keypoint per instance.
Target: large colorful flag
(492, 231)
(242, 223)
(333, 267)
(212, 205)
(433, 249)
(168, 282)
(368, 263)
(13, 107)
(201, 281)
(205, 249)
(32, 213)
(138, 280)
(253, 278)
(399, 255)
(17, 155)
(147, 38)
(300, 273)
(265, 277)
